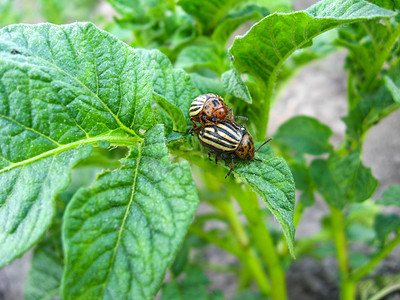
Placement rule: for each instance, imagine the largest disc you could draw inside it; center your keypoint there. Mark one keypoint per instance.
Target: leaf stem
(347, 289)
(381, 59)
(229, 211)
(252, 262)
(361, 272)
(213, 238)
(121, 141)
(247, 256)
(262, 239)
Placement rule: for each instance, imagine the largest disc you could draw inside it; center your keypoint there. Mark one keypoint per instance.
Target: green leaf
(235, 86)
(322, 45)
(193, 57)
(44, 277)
(179, 122)
(386, 224)
(360, 232)
(66, 86)
(373, 108)
(233, 20)
(272, 180)
(122, 234)
(263, 49)
(27, 192)
(391, 196)
(358, 259)
(389, 4)
(307, 198)
(173, 89)
(208, 85)
(276, 5)
(343, 180)
(208, 13)
(140, 11)
(305, 135)
(193, 286)
(301, 175)
(304, 182)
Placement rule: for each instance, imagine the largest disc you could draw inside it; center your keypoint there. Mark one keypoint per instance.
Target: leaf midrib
(122, 141)
(128, 209)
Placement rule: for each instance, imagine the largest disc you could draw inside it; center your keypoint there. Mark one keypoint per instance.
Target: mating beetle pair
(219, 132)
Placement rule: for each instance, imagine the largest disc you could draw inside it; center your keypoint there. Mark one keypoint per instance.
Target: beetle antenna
(240, 117)
(263, 144)
(230, 171)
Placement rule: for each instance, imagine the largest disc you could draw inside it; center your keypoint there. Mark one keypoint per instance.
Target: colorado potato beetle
(228, 138)
(210, 108)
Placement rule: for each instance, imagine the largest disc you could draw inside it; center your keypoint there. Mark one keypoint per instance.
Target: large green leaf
(122, 234)
(305, 135)
(270, 178)
(60, 87)
(343, 180)
(269, 43)
(193, 286)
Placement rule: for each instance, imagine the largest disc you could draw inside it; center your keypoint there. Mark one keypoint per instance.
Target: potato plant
(96, 170)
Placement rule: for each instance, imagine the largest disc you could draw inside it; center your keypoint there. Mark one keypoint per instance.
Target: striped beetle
(210, 108)
(228, 138)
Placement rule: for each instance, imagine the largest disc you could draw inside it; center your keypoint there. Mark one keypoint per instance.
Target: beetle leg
(193, 123)
(209, 155)
(201, 120)
(216, 158)
(232, 167)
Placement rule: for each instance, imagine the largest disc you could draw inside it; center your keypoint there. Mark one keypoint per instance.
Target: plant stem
(347, 289)
(227, 208)
(361, 272)
(212, 238)
(252, 261)
(382, 57)
(262, 239)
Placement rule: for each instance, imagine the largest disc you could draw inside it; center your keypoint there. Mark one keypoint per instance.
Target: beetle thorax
(246, 147)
